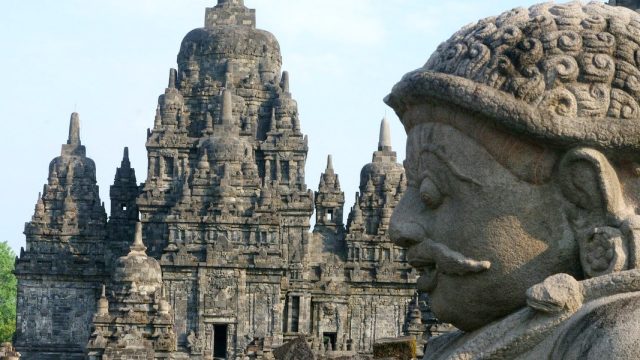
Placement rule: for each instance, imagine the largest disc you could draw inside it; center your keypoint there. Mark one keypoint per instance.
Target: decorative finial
(329, 164)
(173, 75)
(228, 75)
(74, 130)
(103, 303)
(227, 108)
(231, 2)
(138, 245)
(284, 83)
(125, 158)
(385, 136)
(157, 123)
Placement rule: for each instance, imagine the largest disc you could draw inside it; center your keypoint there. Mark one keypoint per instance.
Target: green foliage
(8, 293)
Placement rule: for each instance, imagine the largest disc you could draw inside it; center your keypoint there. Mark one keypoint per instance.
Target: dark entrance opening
(220, 341)
(329, 338)
(295, 313)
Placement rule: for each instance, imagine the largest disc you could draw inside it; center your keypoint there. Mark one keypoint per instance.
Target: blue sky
(109, 60)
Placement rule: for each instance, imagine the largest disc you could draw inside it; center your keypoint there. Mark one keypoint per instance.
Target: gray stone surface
(221, 262)
(521, 212)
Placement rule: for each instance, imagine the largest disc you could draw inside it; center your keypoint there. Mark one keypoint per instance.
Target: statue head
(523, 157)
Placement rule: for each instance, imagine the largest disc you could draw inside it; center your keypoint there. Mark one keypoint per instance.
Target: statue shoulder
(607, 328)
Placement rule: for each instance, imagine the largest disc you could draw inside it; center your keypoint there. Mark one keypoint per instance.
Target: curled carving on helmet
(505, 38)
(560, 69)
(598, 42)
(622, 105)
(512, 17)
(453, 56)
(628, 78)
(485, 29)
(572, 46)
(618, 27)
(559, 102)
(634, 28)
(596, 23)
(478, 56)
(593, 99)
(563, 42)
(530, 87)
(499, 71)
(568, 15)
(542, 23)
(529, 52)
(598, 68)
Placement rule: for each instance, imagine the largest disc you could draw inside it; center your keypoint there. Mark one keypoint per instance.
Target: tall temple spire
(384, 144)
(74, 130)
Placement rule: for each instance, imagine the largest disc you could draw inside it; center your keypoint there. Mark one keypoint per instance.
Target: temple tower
(124, 210)
(329, 200)
(225, 206)
(60, 271)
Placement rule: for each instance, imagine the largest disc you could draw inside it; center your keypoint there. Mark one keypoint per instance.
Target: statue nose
(404, 229)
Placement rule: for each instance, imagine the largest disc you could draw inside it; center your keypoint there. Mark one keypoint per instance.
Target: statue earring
(603, 252)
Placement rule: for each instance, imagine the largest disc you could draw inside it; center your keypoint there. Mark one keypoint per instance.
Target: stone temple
(212, 257)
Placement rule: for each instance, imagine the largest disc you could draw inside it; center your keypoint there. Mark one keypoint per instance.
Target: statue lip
(432, 256)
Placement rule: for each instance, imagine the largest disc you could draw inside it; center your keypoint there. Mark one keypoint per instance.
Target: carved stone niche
(221, 292)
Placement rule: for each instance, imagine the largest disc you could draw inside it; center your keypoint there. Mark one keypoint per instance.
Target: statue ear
(588, 181)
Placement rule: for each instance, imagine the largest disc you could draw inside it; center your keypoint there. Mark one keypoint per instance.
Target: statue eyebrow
(430, 148)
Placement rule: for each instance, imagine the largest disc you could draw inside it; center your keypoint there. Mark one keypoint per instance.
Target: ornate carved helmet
(566, 74)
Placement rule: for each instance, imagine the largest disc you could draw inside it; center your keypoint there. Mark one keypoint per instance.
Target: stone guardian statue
(523, 169)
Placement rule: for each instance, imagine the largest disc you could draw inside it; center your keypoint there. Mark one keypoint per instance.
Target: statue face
(477, 234)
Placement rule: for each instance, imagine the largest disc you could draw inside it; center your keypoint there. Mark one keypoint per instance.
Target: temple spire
(74, 130)
(384, 144)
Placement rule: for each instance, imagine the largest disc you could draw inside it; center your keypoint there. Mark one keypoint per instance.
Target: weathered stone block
(403, 348)
(297, 349)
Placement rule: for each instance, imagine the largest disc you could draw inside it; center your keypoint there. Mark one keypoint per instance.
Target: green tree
(8, 293)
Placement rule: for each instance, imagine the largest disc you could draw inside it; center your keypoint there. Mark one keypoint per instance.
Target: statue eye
(430, 194)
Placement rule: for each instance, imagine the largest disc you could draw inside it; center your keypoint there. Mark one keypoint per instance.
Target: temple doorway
(329, 338)
(220, 342)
